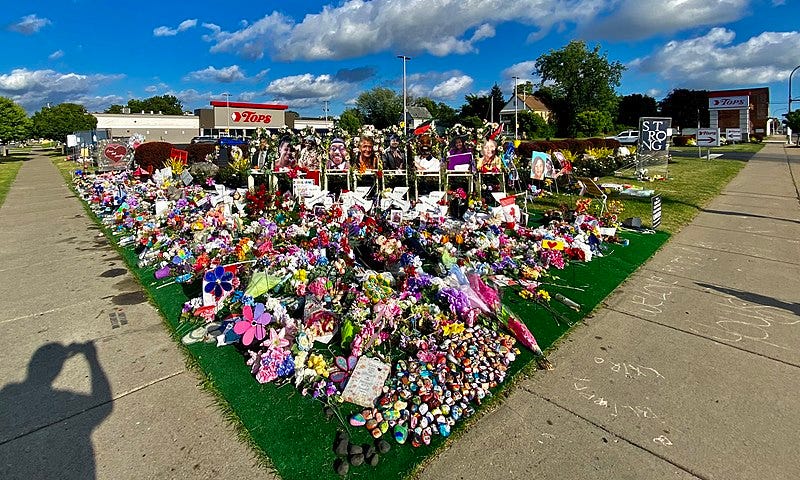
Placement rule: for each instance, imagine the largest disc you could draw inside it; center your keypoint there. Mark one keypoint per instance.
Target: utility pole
(516, 121)
(405, 107)
(325, 102)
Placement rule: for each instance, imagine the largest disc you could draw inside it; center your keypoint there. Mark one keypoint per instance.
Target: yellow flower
(526, 294)
(544, 295)
(453, 328)
(301, 275)
(317, 363)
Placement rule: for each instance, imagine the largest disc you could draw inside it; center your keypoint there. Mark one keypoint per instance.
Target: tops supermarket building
(240, 119)
(747, 109)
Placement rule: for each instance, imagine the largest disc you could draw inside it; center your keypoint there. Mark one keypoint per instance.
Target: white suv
(627, 137)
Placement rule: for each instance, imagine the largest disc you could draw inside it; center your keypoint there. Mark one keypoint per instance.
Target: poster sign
(115, 153)
(654, 134)
(366, 382)
(72, 141)
(733, 134)
(707, 137)
(728, 103)
(656, 202)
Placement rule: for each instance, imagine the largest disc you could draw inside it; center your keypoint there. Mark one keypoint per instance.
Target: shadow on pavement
(756, 298)
(64, 449)
(742, 214)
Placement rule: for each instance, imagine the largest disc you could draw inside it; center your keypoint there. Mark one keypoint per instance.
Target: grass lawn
(291, 433)
(692, 183)
(9, 166)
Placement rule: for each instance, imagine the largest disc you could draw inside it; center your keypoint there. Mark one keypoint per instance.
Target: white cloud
(713, 60)
(229, 74)
(523, 70)
(34, 88)
(29, 24)
(306, 86)
(156, 88)
(56, 55)
(636, 19)
(452, 87)
(360, 27)
(164, 31)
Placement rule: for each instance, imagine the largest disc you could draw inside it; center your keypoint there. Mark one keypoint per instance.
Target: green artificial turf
(292, 430)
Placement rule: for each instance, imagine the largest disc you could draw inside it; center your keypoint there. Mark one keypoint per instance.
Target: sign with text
(654, 134)
(733, 134)
(728, 103)
(708, 137)
(236, 117)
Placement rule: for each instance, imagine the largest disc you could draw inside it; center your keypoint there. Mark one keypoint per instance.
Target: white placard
(366, 382)
(728, 103)
(708, 137)
(733, 134)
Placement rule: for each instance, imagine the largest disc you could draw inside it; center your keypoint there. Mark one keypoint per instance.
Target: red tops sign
(249, 116)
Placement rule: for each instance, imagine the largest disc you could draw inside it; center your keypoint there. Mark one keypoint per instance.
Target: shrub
(198, 152)
(756, 137)
(681, 140)
(152, 155)
(611, 143)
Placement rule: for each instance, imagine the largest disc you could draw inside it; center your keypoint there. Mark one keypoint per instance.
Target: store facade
(745, 109)
(240, 119)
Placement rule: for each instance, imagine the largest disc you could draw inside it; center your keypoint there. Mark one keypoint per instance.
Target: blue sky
(305, 53)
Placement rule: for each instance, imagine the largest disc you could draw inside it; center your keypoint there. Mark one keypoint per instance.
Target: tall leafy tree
(380, 106)
(166, 104)
(482, 106)
(686, 107)
(350, 121)
(532, 125)
(55, 123)
(633, 106)
(580, 79)
(792, 120)
(14, 123)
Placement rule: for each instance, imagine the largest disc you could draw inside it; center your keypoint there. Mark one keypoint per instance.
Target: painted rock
(357, 420)
(401, 434)
(444, 429)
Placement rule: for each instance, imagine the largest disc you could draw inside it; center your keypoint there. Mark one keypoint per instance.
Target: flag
(423, 128)
(494, 134)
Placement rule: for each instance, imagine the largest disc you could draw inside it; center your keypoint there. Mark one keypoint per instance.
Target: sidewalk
(692, 369)
(119, 403)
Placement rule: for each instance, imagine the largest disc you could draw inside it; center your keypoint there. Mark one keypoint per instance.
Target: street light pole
(405, 108)
(790, 88)
(516, 121)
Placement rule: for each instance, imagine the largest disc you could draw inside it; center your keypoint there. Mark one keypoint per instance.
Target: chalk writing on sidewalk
(663, 441)
(737, 321)
(651, 294)
(629, 369)
(581, 386)
(689, 260)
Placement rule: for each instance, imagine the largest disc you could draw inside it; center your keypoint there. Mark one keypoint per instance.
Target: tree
(532, 125)
(14, 123)
(350, 121)
(633, 106)
(525, 88)
(580, 79)
(166, 104)
(380, 107)
(482, 106)
(593, 122)
(55, 123)
(686, 107)
(793, 121)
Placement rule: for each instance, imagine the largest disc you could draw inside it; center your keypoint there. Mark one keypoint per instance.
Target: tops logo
(723, 103)
(248, 116)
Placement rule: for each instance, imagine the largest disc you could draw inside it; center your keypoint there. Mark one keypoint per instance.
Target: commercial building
(746, 109)
(239, 119)
(152, 125)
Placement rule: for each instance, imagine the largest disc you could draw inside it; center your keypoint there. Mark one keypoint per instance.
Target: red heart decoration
(115, 152)
(551, 244)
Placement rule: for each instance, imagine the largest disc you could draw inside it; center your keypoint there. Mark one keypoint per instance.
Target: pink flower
(253, 323)
(277, 340)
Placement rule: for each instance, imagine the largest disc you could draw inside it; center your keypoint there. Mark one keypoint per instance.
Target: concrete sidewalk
(689, 371)
(692, 368)
(92, 385)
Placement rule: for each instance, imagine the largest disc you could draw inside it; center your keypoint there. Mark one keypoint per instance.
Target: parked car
(204, 139)
(627, 137)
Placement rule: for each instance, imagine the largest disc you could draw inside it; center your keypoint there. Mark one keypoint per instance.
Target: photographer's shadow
(47, 432)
